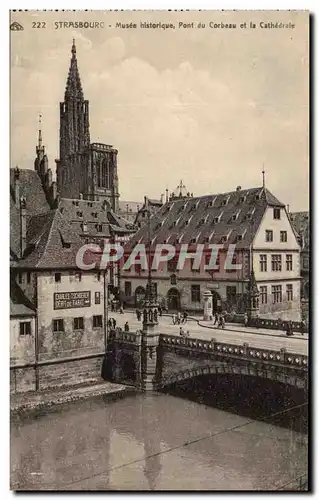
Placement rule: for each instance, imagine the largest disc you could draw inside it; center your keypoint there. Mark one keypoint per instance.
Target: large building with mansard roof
(253, 220)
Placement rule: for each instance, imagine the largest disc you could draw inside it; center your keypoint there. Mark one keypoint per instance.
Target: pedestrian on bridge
(126, 327)
(246, 319)
(216, 316)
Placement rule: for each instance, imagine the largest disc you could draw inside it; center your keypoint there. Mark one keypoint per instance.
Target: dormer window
(235, 216)
(76, 203)
(79, 214)
(257, 197)
(211, 203)
(94, 214)
(90, 204)
(225, 201)
(99, 228)
(223, 239)
(216, 220)
(239, 237)
(242, 199)
(84, 227)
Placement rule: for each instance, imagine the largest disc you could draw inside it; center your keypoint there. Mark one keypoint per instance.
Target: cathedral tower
(83, 169)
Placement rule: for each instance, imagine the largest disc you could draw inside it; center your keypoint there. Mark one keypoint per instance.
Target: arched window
(99, 174)
(105, 174)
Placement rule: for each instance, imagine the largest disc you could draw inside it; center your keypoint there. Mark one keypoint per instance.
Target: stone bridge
(158, 360)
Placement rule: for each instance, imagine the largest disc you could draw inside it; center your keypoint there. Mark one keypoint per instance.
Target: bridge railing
(236, 350)
(121, 336)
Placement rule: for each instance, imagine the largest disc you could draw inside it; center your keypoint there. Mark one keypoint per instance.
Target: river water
(156, 441)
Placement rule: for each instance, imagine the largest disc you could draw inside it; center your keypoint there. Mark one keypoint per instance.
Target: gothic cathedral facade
(84, 169)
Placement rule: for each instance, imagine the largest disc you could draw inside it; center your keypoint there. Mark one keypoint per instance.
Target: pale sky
(208, 106)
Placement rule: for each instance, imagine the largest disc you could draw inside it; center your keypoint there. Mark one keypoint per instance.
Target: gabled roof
(51, 243)
(31, 189)
(19, 304)
(92, 213)
(235, 215)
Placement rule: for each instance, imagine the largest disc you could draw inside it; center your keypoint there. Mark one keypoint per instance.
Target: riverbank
(30, 402)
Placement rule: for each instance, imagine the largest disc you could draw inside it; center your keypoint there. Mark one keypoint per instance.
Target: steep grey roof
(208, 219)
(19, 304)
(51, 243)
(300, 223)
(300, 220)
(31, 189)
(92, 213)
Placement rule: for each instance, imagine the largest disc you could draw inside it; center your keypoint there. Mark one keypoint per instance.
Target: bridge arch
(127, 367)
(227, 369)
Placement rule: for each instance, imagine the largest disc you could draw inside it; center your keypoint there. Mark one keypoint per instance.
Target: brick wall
(70, 373)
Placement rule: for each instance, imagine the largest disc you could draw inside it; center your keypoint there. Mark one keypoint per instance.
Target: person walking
(246, 319)
(160, 312)
(126, 327)
(174, 319)
(216, 316)
(185, 315)
(178, 318)
(114, 323)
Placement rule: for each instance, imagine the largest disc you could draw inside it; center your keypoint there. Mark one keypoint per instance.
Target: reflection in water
(155, 442)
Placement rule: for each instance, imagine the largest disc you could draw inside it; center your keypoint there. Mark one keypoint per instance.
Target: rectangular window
(276, 213)
(305, 263)
(97, 321)
(289, 262)
(128, 288)
(195, 293)
(58, 325)
(57, 277)
(231, 295)
(276, 262)
(98, 276)
(97, 298)
(25, 328)
(20, 278)
(263, 262)
(289, 292)
(263, 294)
(78, 276)
(269, 235)
(78, 323)
(99, 227)
(283, 236)
(276, 292)
(28, 278)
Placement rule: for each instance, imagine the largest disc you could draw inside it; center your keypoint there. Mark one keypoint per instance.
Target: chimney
(238, 188)
(288, 207)
(17, 186)
(23, 226)
(53, 193)
(162, 197)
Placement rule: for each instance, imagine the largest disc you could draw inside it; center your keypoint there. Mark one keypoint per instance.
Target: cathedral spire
(73, 84)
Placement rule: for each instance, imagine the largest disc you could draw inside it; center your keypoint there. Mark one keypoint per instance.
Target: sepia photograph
(159, 250)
